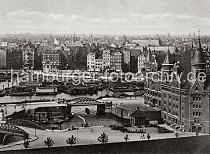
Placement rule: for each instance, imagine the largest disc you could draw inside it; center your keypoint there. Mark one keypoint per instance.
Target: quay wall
(195, 144)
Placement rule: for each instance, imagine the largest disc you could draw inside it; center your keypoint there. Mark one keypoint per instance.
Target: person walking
(148, 136)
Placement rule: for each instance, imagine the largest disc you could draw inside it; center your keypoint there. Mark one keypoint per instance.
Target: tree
(26, 143)
(49, 142)
(126, 138)
(103, 138)
(71, 140)
(177, 134)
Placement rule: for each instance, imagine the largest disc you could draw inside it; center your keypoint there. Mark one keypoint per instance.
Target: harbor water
(7, 99)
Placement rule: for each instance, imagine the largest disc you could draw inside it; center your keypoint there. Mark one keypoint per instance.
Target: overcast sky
(105, 16)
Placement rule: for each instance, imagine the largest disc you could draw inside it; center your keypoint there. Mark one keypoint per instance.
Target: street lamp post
(180, 105)
(35, 131)
(77, 134)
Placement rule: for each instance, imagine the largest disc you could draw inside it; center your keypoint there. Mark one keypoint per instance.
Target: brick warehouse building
(185, 104)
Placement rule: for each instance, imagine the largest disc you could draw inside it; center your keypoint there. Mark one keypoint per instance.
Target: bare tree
(71, 140)
(126, 138)
(49, 142)
(26, 143)
(103, 138)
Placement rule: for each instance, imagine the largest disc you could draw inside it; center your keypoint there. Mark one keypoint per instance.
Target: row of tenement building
(110, 59)
(76, 55)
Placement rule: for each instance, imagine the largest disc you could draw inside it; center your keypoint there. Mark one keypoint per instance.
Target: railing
(12, 129)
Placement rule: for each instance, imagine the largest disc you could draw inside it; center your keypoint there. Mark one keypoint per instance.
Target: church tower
(148, 60)
(166, 65)
(74, 39)
(198, 59)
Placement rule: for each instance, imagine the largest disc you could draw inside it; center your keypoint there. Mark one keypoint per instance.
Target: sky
(105, 16)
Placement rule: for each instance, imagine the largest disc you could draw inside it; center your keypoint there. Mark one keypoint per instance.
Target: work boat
(46, 91)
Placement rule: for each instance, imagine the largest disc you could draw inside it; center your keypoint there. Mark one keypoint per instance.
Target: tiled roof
(140, 112)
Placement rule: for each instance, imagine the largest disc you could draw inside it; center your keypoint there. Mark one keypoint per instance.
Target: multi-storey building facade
(91, 61)
(116, 61)
(98, 64)
(126, 64)
(184, 103)
(20, 56)
(141, 61)
(14, 58)
(28, 56)
(106, 59)
(94, 64)
(53, 59)
(2, 58)
(127, 56)
(50, 61)
(110, 60)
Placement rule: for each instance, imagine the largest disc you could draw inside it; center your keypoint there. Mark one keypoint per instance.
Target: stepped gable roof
(149, 56)
(167, 60)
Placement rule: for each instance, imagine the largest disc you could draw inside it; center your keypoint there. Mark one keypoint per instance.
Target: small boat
(46, 91)
(21, 94)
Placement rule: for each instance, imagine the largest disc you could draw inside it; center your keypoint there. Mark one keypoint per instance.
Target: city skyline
(105, 17)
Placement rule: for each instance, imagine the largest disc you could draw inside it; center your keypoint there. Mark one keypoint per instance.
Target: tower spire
(91, 37)
(192, 45)
(198, 58)
(149, 55)
(166, 60)
(199, 39)
(166, 65)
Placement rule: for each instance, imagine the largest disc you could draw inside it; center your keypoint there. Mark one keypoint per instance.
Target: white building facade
(98, 64)
(91, 61)
(106, 59)
(141, 60)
